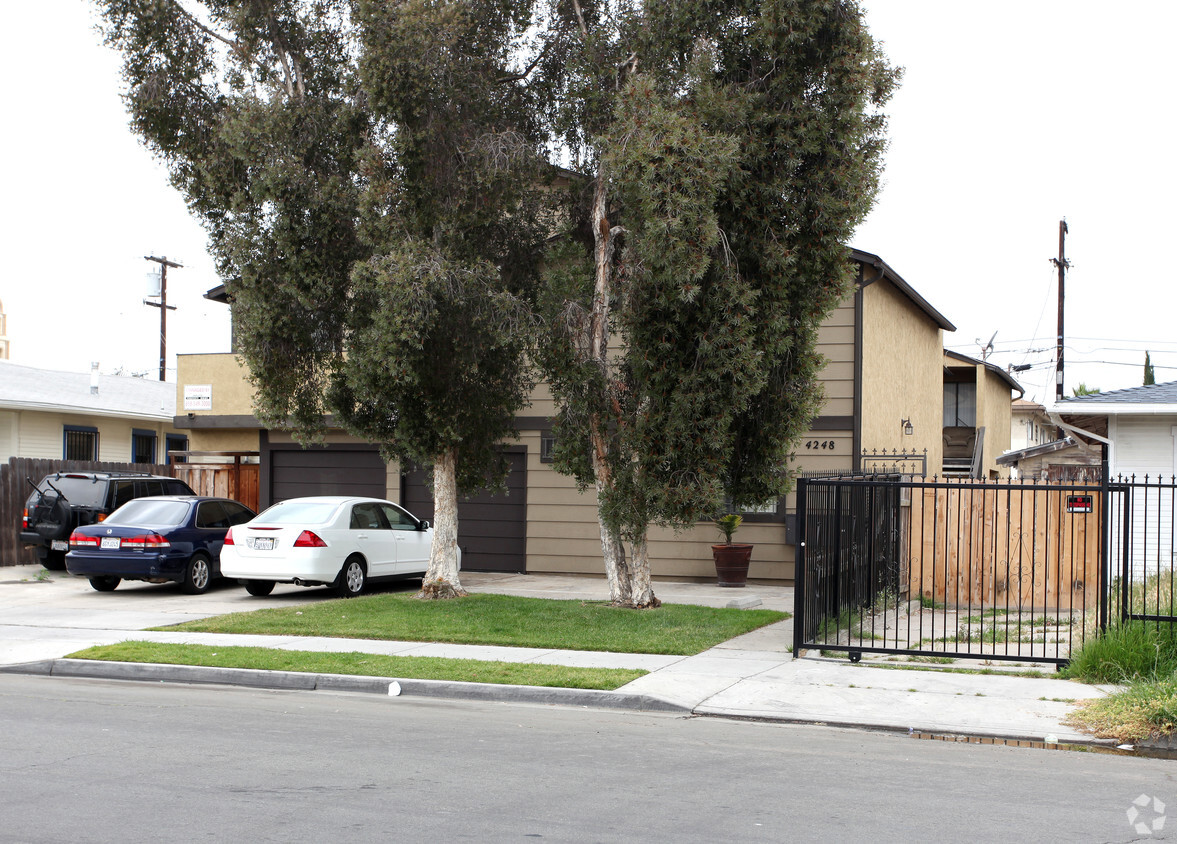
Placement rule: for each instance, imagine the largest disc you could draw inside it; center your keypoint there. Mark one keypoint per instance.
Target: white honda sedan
(331, 540)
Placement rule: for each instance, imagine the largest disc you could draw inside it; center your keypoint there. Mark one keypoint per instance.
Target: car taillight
(102, 517)
(229, 537)
(306, 539)
(24, 519)
(147, 542)
(80, 540)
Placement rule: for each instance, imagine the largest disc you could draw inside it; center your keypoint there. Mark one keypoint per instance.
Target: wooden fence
(1005, 546)
(231, 479)
(15, 490)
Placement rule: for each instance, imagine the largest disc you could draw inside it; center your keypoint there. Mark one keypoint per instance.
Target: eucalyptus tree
(732, 147)
(367, 171)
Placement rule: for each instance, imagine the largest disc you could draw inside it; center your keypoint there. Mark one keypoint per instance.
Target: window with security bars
(143, 446)
(80, 443)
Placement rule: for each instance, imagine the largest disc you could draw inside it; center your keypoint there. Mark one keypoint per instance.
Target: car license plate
(110, 542)
(263, 543)
(58, 545)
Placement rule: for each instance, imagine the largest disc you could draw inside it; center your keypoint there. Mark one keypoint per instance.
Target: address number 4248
(819, 445)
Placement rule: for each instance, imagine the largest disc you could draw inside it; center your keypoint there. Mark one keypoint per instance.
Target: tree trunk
(641, 590)
(612, 549)
(441, 579)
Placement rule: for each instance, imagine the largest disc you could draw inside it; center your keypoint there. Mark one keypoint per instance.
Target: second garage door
(492, 529)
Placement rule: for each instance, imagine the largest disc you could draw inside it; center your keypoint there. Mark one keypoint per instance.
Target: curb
(297, 681)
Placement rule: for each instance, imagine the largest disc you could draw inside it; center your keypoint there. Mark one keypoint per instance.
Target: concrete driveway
(59, 613)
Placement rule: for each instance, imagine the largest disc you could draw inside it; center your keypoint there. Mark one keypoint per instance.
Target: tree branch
(580, 17)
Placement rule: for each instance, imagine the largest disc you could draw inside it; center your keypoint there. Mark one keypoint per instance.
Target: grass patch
(484, 619)
(1147, 709)
(1128, 651)
(376, 665)
(1144, 657)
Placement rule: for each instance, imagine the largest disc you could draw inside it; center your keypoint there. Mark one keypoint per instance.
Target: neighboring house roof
(1154, 398)
(1027, 406)
(907, 290)
(26, 388)
(996, 370)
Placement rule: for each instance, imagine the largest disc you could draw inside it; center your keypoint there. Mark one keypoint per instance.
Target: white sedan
(331, 540)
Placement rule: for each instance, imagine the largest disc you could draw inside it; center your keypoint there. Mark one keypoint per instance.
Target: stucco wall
(215, 439)
(994, 411)
(902, 375)
(225, 373)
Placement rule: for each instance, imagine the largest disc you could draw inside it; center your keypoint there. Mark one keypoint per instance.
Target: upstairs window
(960, 405)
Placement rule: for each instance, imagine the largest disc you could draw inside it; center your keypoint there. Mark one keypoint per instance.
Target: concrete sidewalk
(752, 676)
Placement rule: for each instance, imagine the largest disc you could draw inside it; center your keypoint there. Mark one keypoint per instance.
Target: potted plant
(731, 559)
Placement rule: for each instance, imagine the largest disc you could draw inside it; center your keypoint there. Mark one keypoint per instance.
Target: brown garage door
(325, 470)
(491, 528)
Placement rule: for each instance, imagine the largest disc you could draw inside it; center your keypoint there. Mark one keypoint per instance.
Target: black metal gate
(1142, 550)
(944, 569)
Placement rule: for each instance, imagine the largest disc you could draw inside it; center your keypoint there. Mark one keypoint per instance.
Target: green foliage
(370, 175)
(1084, 390)
(728, 524)
(433, 362)
(740, 147)
(1127, 651)
(1150, 377)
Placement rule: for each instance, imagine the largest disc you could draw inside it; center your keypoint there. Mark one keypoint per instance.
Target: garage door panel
(326, 471)
(491, 526)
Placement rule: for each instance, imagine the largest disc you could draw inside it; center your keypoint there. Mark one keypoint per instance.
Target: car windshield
(145, 511)
(80, 491)
(298, 512)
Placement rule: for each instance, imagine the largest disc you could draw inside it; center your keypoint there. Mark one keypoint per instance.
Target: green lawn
(484, 619)
(376, 665)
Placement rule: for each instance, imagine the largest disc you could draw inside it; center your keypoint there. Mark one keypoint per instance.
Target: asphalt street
(100, 760)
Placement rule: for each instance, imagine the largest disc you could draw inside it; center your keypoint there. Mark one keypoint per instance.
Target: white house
(85, 416)
(1139, 427)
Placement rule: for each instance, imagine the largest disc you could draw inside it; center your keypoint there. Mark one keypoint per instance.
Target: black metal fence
(949, 569)
(1142, 550)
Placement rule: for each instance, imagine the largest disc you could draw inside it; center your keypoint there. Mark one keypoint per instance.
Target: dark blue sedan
(159, 539)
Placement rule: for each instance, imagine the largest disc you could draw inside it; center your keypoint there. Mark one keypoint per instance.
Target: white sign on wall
(198, 396)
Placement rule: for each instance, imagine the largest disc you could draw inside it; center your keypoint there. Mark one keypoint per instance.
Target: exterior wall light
(908, 429)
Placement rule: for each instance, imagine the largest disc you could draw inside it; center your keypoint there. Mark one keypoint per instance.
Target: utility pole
(164, 307)
(1063, 265)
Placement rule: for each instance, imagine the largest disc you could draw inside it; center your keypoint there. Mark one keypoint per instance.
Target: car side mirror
(424, 524)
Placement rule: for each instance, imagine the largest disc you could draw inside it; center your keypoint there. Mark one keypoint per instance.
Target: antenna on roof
(987, 349)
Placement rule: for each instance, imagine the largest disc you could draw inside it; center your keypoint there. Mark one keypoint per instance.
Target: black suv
(66, 500)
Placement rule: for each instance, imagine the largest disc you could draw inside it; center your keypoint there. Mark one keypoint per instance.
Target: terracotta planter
(731, 563)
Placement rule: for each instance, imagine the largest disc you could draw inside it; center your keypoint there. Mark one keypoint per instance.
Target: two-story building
(884, 383)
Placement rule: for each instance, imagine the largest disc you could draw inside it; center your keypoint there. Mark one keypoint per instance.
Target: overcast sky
(1011, 116)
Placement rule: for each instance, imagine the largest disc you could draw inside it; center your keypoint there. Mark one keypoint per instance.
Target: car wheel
(104, 583)
(259, 588)
(54, 561)
(198, 575)
(351, 578)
